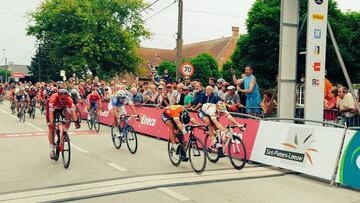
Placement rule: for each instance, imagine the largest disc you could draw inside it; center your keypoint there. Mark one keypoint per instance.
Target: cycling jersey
(209, 110)
(119, 103)
(32, 94)
(93, 98)
(55, 102)
(174, 111)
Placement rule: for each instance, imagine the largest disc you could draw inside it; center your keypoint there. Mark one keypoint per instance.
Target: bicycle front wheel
(66, 151)
(131, 140)
(90, 122)
(97, 124)
(33, 111)
(211, 153)
(23, 115)
(197, 155)
(237, 153)
(116, 137)
(78, 114)
(174, 153)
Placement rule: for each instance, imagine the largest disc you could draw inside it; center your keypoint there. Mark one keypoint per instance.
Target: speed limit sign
(187, 69)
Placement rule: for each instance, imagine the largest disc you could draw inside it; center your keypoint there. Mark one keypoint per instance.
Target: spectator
(251, 90)
(210, 97)
(327, 87)
(181, 94)
(151, 99)
(223, 90)
(189, 96)
(137, 97)
(162, 100)
(171, 94)
(199, 97)
(268, 103)
(212, 83)
(232, 99)
(166, 76)
(74, 79)
(329, 105)
(147, 91)
(346, 105)
(187, 81)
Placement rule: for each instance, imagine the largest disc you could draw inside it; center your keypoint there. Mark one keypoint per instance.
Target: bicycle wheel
(66, 151)
(131, 140)
(90, 121)
(78, 114)
(174, 153)
(97, 124)
(33, 111)
(23, 115)
(197, 155)
(211, 154)
(116, 137)
(237, 152)
(57, 145)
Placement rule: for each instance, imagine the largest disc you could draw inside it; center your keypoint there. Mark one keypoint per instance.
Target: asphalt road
(100, 173)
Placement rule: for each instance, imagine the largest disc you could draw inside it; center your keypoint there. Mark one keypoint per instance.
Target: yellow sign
(318, 16)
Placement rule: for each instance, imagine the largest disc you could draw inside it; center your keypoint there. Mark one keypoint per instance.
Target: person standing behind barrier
(346, 105)
(180, 98)
(210, 96)
(212, 83)
(188, 96)
(329, 106)
(251, 90)
(199, 97)
(151, 99)
(232, 99)
(136, 96)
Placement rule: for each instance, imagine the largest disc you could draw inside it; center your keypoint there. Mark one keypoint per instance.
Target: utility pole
(6, 68)
(39, 62)
(179, 40)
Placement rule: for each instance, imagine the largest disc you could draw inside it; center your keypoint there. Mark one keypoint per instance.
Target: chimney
(235, 32)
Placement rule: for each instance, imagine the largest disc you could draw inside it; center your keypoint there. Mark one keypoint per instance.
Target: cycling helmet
(221, 107)
(26, 87)
(32, 89)
(121, 94)
(220, 81)
(185, 117)
(63, 93)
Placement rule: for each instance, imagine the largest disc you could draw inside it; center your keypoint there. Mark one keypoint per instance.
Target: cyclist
(176, 116)
(2, 92)
(94, 98)
(210, 115)
(60, 103)
(32, 96)
(117, 105)
(21, 96)
(75, 96)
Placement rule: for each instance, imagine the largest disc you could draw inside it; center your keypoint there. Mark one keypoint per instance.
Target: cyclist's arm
(194, 121)
(217, 123)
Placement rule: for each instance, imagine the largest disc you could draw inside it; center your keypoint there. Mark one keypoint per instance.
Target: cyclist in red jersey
(62, 104)
(93, 99)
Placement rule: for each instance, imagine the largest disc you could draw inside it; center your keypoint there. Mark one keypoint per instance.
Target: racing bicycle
(93, 120)
(125, 133)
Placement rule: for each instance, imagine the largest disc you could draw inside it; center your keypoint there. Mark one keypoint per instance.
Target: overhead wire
(168, 6)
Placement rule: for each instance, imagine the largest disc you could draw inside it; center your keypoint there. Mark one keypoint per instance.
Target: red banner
(151, 124)
(17, 75)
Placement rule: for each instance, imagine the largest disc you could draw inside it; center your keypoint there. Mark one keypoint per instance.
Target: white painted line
(80, 149)
(173, 194)
(27, 123)
(117, 167)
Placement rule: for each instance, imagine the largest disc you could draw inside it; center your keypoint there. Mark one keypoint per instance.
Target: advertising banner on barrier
(349, 166)
(306, 149)
(151, 124)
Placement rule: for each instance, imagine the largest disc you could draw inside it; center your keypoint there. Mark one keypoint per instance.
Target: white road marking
(117, 167)
(79, 149)
(174, 194)
(134, 184)
(27, 123)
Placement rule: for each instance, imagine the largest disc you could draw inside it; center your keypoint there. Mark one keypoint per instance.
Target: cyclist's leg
(170, 124)
(50, 122)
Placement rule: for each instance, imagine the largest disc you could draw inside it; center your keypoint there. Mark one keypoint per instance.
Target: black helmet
(185, 117)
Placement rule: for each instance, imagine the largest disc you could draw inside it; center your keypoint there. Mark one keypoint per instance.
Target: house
(22, 70)
(221, 49)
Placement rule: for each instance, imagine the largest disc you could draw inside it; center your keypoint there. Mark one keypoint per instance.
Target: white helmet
(120, 93)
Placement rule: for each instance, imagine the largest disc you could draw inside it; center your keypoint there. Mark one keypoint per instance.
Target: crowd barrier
(325, 152)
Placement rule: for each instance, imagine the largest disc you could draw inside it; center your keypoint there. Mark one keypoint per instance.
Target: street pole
(5, 65)
(179, 40)
(39, 62)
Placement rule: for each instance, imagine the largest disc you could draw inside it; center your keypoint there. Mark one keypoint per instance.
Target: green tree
(260, 47)
(4, 73)
(81, 35)
(170, 66)
(205, 67)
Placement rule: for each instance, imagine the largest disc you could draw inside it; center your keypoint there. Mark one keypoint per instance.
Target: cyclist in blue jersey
(117, 105)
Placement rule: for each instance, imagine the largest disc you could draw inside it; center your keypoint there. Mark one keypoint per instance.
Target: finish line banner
(302, 148)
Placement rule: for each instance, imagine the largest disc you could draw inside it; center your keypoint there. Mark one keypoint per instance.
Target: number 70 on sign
(187, 69)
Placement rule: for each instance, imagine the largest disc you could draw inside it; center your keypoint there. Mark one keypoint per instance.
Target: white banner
(315, 59)
(349, 165)
(306, 149)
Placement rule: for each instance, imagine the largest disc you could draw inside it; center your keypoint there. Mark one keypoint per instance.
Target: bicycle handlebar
(236, 126)
(190, 127)
(129, 116)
